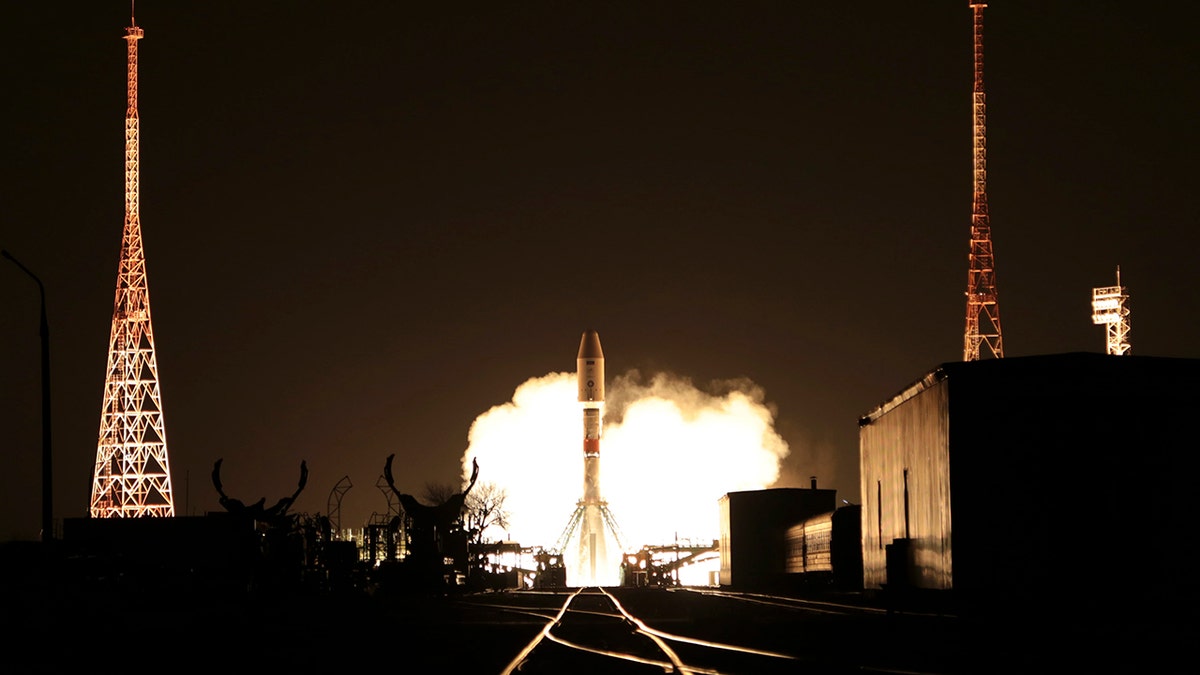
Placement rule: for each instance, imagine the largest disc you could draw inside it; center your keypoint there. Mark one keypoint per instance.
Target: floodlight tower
(1108, 308)
(132, 477)
(982, 304)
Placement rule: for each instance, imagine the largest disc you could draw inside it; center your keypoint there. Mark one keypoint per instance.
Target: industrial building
(754, 526)
(824, 552)
(1064, 479)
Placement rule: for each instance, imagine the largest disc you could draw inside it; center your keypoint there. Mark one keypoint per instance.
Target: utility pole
(47, 464)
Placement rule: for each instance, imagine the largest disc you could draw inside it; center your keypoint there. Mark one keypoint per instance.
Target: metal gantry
(1108, 308)
(132, 477)
(333, 505)
(577, 516)
(983, 309)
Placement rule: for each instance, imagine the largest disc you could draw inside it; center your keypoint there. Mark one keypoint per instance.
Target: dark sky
(366, 223)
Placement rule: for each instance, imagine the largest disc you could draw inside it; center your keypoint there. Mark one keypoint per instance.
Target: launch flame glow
(670, 451)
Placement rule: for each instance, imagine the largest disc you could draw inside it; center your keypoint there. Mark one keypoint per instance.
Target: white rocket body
(593, 554)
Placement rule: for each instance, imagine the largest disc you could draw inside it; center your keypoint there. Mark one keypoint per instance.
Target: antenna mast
(981, 276)
(1108, 308)
(132, 477)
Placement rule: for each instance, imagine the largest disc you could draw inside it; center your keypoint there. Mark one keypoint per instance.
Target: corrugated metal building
(825, 550)
(1064, 478)
(754, 526)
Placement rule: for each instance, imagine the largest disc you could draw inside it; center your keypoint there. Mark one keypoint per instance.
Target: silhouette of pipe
(47, 468)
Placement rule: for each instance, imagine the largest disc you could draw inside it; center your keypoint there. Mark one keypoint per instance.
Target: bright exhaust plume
(669, 451)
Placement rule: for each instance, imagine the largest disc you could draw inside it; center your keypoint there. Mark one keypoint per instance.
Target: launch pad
(593, 543)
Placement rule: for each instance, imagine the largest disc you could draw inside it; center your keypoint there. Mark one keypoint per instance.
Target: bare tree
(436, 494)
(485, 507)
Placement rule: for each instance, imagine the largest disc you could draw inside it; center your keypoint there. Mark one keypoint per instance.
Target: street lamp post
(47, 471)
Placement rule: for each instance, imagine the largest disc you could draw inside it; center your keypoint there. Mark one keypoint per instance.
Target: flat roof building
(1066, 478)
(754, 525)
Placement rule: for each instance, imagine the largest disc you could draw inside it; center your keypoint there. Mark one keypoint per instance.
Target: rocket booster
(590, 372)
(593, 557)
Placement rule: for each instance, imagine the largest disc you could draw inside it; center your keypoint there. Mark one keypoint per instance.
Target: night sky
(366, 223)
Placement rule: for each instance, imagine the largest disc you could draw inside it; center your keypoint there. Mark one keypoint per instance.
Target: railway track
(591, 631)
(701, 632)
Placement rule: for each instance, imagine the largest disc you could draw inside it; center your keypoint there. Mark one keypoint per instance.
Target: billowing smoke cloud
(669, 450)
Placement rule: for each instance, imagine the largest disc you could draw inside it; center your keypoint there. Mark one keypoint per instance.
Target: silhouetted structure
(47, 446)
(291, 548)
(435, 534)
(824, 552)
(1072, 486)
(551, 570)
(258, 510)
(200, 556)
(754, 525)
(660, 565)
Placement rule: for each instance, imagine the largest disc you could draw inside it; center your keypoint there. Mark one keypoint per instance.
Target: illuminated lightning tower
(132, 477)
(981, 276)
(1108, 308)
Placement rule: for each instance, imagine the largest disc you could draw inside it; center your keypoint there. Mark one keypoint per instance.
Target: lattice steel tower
(983, 310)
(132, 477)
(1109, 310)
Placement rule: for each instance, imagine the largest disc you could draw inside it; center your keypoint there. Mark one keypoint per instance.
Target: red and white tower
(132, 477)
(983, 310)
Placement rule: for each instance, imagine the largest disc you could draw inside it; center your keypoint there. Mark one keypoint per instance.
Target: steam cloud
(668, 452)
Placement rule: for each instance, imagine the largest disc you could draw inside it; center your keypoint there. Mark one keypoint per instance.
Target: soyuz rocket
(590, 373)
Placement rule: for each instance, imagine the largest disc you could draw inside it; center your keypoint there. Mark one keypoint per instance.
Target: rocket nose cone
(589, 346)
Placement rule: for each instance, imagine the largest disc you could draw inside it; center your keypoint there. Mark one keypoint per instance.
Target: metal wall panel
(810, 545)
(754, 526)
(905, 475)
